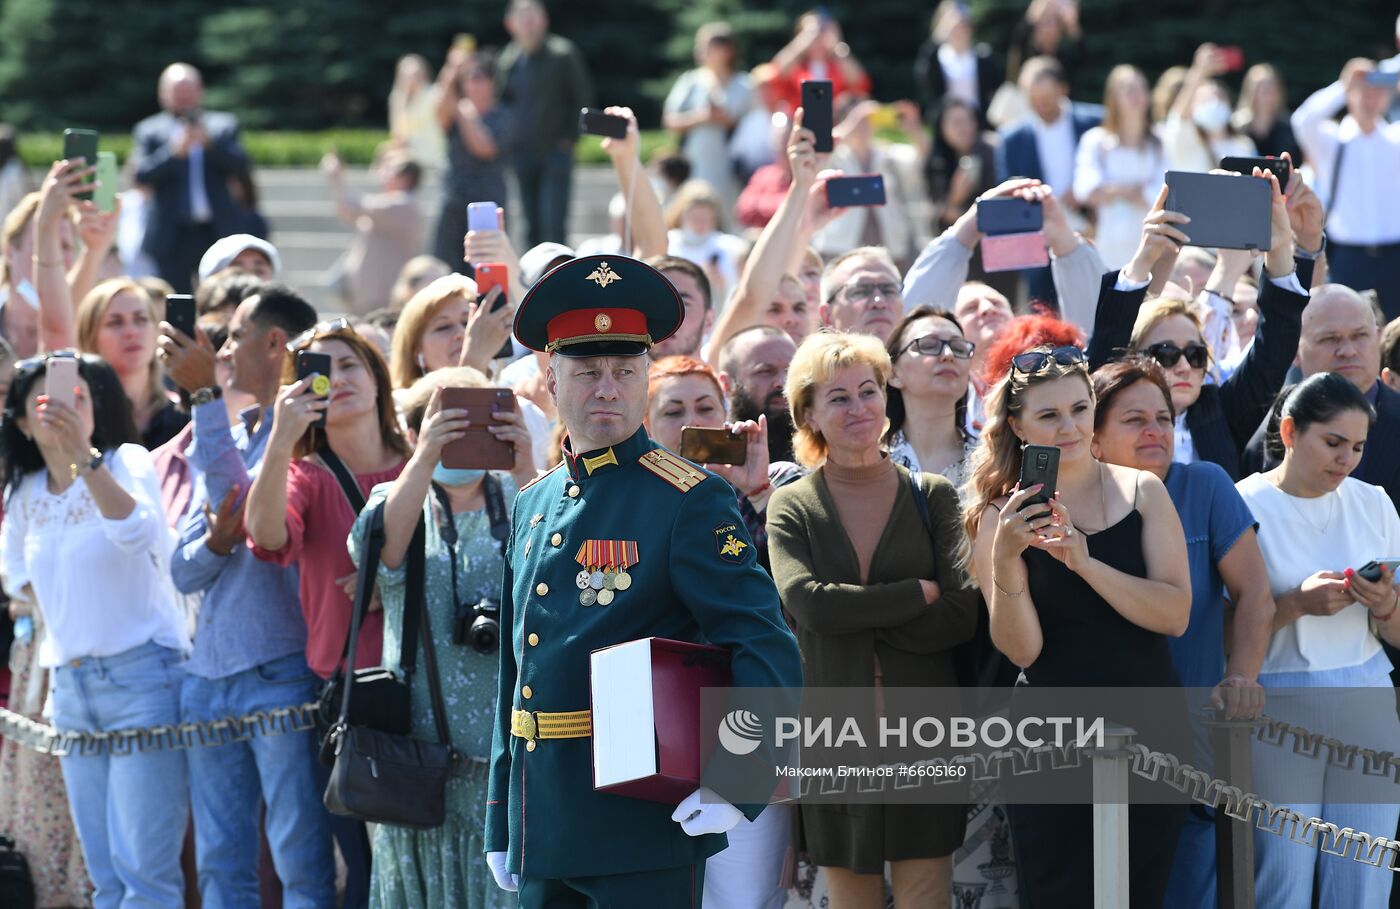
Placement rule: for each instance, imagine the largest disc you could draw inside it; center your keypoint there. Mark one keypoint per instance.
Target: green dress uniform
(613, 545)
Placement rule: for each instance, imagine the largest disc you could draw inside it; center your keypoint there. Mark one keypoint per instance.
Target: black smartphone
(996, 217)
(713, 446)
(319, 365)
(1040, 464)
(817, 113)
(81, 143)
(1226, 211)
(597, 123)
(1243, 165)
(179, 312)
(854, 191)
(1371, 571)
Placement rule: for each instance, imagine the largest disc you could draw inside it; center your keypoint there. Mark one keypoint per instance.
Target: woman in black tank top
(1081, 594)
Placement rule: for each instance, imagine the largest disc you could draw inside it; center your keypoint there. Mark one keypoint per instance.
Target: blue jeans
(228, 783)
(545, 181)
(129, 810)
(1284, 870)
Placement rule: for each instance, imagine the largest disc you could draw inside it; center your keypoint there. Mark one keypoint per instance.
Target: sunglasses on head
(32, 364)
(933, 346)
(1036, 360)
(320, 328)
(1166, 354)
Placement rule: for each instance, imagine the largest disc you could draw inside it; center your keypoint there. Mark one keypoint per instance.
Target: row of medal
(605, 564)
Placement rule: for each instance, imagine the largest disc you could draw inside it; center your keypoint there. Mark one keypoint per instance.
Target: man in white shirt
(1357, 163)
(1043, 145)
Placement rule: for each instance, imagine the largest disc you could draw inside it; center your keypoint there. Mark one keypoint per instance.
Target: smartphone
(1371, 571)
(1244, 165)
(1013, 252)
(483, 216)
(479, 448)
(105, 193)
(817, 112)
(1226, 211)
(1009, 216)
(319, 365)
(61, 379)
(489, 275)
(855, 191)
(1232, 58)
(597, 123)
(179, 312)
(1040, 464)
(713, 446)
(1382, 78)
(81, 143)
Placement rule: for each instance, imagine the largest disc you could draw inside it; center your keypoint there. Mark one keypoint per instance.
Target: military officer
(623, 540)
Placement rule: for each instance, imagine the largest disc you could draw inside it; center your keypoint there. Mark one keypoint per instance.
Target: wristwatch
(93, 462)
(206, 394)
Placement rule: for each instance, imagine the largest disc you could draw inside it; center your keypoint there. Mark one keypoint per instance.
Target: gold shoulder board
(542, 476)
(677, 471)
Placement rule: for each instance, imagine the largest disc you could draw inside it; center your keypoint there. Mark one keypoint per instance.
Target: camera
(478, 624)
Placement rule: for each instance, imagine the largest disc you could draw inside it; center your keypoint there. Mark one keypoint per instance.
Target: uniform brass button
(556, 539)
(541, 588)
(573, 492)
(533, 639)
(526, 693)
(530, 745)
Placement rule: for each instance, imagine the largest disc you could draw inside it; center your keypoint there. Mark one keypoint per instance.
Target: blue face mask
(456, 476)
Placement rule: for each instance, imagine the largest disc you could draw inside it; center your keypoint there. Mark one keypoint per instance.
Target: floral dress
(418, 869)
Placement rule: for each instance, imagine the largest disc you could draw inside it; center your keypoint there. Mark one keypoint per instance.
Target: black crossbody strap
(348, 484)
(1336, 177)
(496, 511)
(412, 602)
(369, 567)
(414, 594)
(920, 502)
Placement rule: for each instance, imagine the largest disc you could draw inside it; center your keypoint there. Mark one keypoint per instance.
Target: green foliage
(314, 64)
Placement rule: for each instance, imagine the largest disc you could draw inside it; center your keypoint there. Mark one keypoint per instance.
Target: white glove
(504, 879)
(705, 812)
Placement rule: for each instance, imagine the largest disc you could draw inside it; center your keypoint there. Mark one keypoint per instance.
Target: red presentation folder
(645, 694)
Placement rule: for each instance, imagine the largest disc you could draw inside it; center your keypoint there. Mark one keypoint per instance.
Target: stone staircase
(297, 204)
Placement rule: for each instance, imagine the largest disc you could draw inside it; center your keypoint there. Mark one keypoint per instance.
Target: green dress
(426, 869)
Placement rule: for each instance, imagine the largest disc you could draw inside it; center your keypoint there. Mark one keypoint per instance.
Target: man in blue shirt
(250, 641)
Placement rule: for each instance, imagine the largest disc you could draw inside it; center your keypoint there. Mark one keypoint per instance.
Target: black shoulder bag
(976, 661)
(383, 777)
(381, 700)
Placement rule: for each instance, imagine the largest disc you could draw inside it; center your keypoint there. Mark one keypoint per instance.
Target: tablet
(1227, 211)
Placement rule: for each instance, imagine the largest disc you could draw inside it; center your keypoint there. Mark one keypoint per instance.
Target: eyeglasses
(933, 346)
(1166, 354)
(1036, 360)
(320, 328)
(864, 290)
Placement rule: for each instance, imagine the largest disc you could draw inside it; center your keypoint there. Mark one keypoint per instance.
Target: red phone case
(1009, 252)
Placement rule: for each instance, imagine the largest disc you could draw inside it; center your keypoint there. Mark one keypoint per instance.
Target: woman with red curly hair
(1020, 335)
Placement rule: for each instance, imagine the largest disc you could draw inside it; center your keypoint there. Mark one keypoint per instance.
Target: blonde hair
(1155, 311)
(93, 308)
(416, 314)
(693, 192)
(15, 223)
(411, 278)
(995, 465)
(817, 360)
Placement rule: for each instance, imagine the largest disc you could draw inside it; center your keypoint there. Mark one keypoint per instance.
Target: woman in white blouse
(705, 103)
(928, 391)
(86, 539)
(1317, 526)
(1198, 132)
(1120, 166)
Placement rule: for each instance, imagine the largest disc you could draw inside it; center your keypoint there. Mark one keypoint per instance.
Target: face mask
(693, 238)
(456, 476)
(1212, 116)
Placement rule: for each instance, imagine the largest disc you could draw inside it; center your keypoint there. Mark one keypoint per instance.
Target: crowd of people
(175, 525)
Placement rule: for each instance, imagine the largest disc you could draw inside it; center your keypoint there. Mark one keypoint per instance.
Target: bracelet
(1393, 606)
(1004, 592)
(1234, 675)
(767, 485)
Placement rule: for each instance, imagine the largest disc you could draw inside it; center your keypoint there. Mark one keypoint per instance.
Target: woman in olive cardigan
(875, 601)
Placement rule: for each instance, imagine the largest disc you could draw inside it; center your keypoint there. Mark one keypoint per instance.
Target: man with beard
(690, 282)
(753, 367)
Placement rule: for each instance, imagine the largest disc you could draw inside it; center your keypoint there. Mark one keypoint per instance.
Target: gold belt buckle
(526, 726)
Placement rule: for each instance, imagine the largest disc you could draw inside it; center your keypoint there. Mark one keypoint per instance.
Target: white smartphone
(61, 380)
